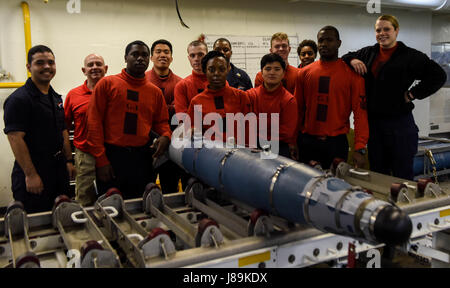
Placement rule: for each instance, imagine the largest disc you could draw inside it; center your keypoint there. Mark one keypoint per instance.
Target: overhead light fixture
(436, 4)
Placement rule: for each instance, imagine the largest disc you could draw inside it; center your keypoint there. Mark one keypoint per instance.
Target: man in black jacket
(237, 78)
(395, 75)
(34, 125)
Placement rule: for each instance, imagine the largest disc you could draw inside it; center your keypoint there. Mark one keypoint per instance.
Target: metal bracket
(262, 227)
(161, 245)
(433, 253)
(211, 237)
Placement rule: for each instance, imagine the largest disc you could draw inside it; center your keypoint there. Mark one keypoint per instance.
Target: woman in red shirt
(218, 98)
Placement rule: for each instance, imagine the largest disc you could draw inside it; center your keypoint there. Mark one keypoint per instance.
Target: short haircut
(161, 41)
(331, 28)
(137, 42)
(222, 39)
(279, 36)
(196, 43)
(38, 49)
(391, 19)
(211, 55)
(309, 43)
(270, 58)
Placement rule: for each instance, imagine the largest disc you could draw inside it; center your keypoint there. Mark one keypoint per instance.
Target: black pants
(323, 150)
(169, 172)
(393, 145)
(54, 176)
(133, 168)
(284, 150)
(169, 175)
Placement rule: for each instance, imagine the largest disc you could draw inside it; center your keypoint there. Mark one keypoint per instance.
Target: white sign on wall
(248, 51)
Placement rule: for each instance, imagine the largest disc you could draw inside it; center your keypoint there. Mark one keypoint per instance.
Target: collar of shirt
(132, 80)
(165, 78)
(35, 92)
(219, 92)
(271, 94)
(86, 90)
(198, 76)
(328, 63)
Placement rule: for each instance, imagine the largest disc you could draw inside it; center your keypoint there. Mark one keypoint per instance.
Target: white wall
(105, 27)
(440, 102)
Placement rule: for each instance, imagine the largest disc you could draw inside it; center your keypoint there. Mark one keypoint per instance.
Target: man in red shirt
(279, 44)
(163, 77)
(195, 83)
(122, 111)
(327, 91)
(219, 98)
(273, 98)
(75, 108)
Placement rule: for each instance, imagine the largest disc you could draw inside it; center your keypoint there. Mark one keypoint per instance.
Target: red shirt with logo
(327, 93)
(187, 89)
(167, 85)
(75, 108)
(279, 101)
(290, 76)
(122, 111)
(223, 101)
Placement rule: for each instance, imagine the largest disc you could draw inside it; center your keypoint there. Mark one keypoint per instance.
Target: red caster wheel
(28, 260)
(148, 188)
(13, 205)
(314, 164)
(367, 191)
(256, 214)
(112, 191)
(395, 190)
(336, 162)
(205, 223)
(422, 184)
(61, 199)
(88, 246)
(202, 226)
(156, 232)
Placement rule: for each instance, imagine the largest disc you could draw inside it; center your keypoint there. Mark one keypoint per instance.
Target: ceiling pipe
(434, 5)
(27, 30)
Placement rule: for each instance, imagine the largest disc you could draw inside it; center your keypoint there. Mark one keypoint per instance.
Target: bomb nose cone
(392, 226)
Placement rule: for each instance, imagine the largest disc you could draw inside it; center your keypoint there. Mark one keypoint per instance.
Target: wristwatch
(361, 151)
(70, 161)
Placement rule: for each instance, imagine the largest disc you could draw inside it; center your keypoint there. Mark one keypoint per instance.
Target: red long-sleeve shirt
(278, 101)
(167, 85)
(75, 109)
(122, 111)
(289, 79)
(326, 93)
(223, 101)
(187, 89)
(381, 59)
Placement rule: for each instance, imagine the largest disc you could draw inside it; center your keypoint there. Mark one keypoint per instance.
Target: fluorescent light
(428, 3)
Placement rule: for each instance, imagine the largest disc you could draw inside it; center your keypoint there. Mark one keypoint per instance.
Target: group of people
(122, 123)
